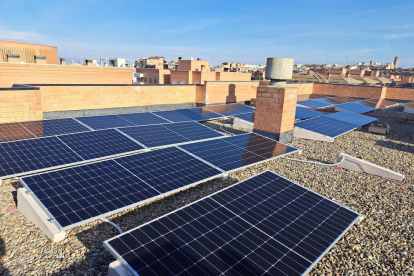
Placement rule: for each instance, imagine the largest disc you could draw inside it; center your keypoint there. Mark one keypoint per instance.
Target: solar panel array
(265, 225)
(35, 129)
(74, 196)
(356, 107)
(236, 152)
(168, 134)
(305, 113)
(314, 103)
(231, 109)
(248, 117)
(191, 114)
(335, 124)
(79, 194)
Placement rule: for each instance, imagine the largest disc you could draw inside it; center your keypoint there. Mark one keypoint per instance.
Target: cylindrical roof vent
(180, 58)
(198, 58)
(278, 70)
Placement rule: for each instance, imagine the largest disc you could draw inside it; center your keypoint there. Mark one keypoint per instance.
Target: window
(182, 81)
(145, 80)
(155, 80)
(196, 82)
(150, 80)
(174, 81)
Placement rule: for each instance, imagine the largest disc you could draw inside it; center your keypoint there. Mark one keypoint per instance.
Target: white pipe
(113, 224)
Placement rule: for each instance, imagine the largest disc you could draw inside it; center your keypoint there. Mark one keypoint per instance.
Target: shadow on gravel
(396, 146)
(97, 258)
(3, 271)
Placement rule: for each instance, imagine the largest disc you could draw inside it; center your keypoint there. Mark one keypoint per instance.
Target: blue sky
(217, 30)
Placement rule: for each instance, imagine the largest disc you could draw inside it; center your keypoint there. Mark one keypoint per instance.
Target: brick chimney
(62, 61)
(276, 103)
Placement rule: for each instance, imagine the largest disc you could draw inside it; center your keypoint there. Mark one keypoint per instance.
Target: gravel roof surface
(382, 244)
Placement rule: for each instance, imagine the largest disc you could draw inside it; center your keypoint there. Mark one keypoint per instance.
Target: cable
(113, 224)
(317, 163)
(226, 130)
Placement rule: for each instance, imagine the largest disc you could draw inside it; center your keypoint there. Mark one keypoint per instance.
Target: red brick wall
(62, 74)
(199, 94)
(218, 92)
(20, 105)
(358, 91)
(396, 93)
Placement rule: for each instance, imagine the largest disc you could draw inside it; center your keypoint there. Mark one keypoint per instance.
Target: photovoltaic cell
(265, 225)
(167, 169)
(96, 144)
(313, 104)
(104, 122)
(249, 117)
(74, 196)
(143, 119)
(231, 109)
(13, 132)
(326, 126)
(377, 103)
(305, 113)
(34, 154)
(54, 127)
(351, 118)
(330, 101)
(356, 107)
(185, 115)
(168, 134)
(239, 151)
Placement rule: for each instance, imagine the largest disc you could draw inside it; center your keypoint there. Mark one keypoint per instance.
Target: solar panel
(13, 132)
(239, 151)
(249, 117)
(305, 113)
(346, 99)
(313, 104)
(104, 122)
(74, 196)
(169, 134)
(410, 105)
(185, 115)
(330, 101)
(265, 225)
(351, 118)
(143, 119)
(33, 155)
(377, 103)
(326, 126)
(46, 128)
(168, 169)
(356, 107)
(231, 109)
(101, 143)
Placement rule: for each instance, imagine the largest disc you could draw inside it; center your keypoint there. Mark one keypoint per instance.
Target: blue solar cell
(75, 195)
(313, 104)
(238, 151)
(104, 122)
(34, 154)
(330, 101)
(356, 107)
(304, 113)
(14, 132)
(261, 226)
(143, 119)
(54, 127)
(169, 134)
(185, 115)
(231, 109)
(154, 136)
(354, 119)
(326, 126)
(101, 143)
(249, 117)
(167, 169)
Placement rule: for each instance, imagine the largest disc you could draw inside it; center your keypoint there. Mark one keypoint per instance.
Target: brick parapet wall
(358, 91)
(56, 74)
(218, 92)
(396, 93)
(200, 96)
(20, 105)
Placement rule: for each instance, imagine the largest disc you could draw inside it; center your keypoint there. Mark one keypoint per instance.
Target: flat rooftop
(382, 244)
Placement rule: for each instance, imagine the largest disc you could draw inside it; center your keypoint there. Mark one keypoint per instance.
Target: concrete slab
(27, 205)
(237, 122)
(356, 164)
(408, 109)
(307, 134)
(117, 269)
